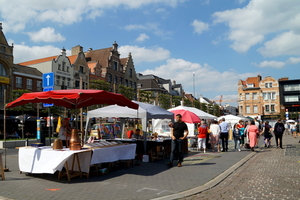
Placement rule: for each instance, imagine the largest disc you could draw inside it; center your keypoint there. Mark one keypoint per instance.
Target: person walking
(215, 135)
(179, 132)
(257, 124)
(202, 132)
(293, 129)
(266, 131)
(236, 133)
(224, 134)
(241, 128)
(278, 130)
(252, 135)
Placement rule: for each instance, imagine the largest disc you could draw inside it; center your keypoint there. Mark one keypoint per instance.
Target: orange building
(259, 97)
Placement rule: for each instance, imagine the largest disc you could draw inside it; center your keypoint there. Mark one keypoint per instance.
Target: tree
(164, 101)
(145, 96)
(176, 100)
(128, 92)
(99, 85)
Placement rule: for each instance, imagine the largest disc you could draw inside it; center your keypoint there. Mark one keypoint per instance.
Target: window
(131, 84)
(251, 85)
(247, 96)
(248, 109)
(292, 98)
(254, 96)
(268, 85)
(77, 84)
(130, 72)
(19, 83)
(272, 108)
(121, 80)
(39, 85)
(126, 83)
(255, 110)
(269, 95)
(116, 66)
(2, 49)
(241, 109)
(81, 69)
(267, 108)
(292, 87)
(2, 70)
(29, 84)
(63, 66)
(57, 80)
(109, 76)
(68, 69)
(2, 88)
(59, 67)
(134, 85)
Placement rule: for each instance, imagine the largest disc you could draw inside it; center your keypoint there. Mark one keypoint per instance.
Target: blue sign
(45, 90)
(48, 80)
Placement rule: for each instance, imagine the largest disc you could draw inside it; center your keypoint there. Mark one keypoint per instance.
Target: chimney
(76, 50)
(0, 26)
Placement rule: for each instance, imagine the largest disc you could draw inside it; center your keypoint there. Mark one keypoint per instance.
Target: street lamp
(194, 83)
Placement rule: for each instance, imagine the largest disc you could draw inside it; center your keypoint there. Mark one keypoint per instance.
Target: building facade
(6, 68)
(289, 98)
(61, 67)
(258, 97)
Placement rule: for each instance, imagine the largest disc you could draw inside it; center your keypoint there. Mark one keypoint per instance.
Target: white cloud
(142, 37)
(259, 20)
(199, 26)
(207, 79)
(271, 64)
(287, 43)
(293, 60)
(64, 12)
(45, 35)
(24, 53)
(142, 54)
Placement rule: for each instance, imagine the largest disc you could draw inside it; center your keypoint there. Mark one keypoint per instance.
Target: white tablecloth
(47, 160)
(112, 154)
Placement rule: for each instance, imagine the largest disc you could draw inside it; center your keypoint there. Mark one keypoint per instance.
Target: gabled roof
(72, 58)
(41, 60)
(92, 65)
(252, 80)
(27, 70)
(100, 55)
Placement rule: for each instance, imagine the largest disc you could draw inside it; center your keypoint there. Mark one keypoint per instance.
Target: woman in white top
(215, 135)
(293, 129)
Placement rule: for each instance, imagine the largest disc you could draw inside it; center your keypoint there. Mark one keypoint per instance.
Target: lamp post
(194, 83)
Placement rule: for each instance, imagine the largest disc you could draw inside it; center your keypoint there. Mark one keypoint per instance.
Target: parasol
(73, 99)
(187, 116)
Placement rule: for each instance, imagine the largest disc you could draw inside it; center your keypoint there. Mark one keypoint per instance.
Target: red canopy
(73, 99)
(187, 116)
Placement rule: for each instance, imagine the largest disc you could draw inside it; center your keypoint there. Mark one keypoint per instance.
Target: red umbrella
(73, 99)
(187, 116)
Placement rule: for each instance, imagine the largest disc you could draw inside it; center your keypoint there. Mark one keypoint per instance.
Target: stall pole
(6, 169)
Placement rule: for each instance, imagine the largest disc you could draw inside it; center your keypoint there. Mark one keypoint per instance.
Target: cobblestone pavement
(271, 174)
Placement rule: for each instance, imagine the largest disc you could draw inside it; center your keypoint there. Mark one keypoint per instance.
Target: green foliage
(145, 96)
(128, 92)
(216, 110)
(176, 100)
(187, 102)
(204, 107)
(164, 101)
(196, 104)
(99, 85)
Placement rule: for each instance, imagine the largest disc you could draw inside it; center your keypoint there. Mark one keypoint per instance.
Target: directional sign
(45, 90)
(48, 80)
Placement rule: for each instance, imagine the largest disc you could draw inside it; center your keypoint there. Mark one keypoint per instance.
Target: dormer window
(250, 85)
(268, 85)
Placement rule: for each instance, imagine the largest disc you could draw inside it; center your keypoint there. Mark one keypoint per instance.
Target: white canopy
(198, 112)
(145, 112)
(232, 119)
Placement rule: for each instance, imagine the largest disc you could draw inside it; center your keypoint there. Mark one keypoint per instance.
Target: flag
(58, 124)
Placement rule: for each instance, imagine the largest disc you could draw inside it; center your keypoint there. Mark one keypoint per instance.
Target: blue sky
(220, 41)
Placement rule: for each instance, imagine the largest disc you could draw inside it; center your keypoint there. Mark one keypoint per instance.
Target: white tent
(145, 112)
(232, 119)
(198, 112)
